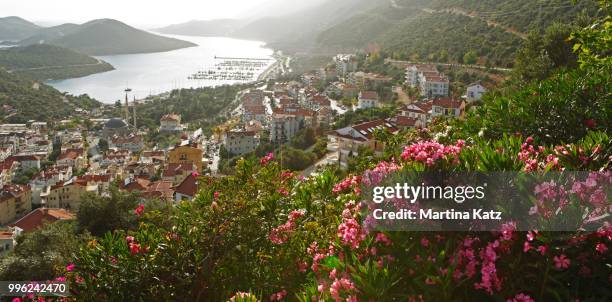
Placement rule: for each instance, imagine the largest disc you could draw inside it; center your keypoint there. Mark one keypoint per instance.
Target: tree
(100, 214)
(39, 253)
(470, 57)
(103, 145)
(557, 45)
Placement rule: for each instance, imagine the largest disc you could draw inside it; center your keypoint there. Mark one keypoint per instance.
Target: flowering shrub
(268, 235)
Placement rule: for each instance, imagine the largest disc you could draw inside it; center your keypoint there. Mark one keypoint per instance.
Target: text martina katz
(423, 192)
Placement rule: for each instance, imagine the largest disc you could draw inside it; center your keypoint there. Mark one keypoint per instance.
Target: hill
(445, 30)
(43, 62)
(23, 99)
(15, 28)
(105, 37)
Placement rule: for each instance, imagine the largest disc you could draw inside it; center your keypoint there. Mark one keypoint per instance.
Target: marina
(233, 69)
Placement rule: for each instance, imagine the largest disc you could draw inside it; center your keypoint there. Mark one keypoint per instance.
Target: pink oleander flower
(382, 238)
(507, 229)
(561, 262)
(283, 191)
(129, 239)
(281, 234)
(134, 248)
(60, 279)
(214, 206)
(266, 159)
(429, 152)
(601, 248)
(424, 242)
(520, 297)
(195, 174)
(216, 195)
(16, 299)
(70, 267)
(590, 123)
(278, 296)
(139, 210)
(339, 286)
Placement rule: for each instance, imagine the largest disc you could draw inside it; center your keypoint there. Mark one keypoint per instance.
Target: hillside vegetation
(43, 61)
(29, 100)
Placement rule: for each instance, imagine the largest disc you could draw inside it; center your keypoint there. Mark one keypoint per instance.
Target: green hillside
(15, 28)
(445, 30)
(43, 61)
(105, 37)
(29, 100)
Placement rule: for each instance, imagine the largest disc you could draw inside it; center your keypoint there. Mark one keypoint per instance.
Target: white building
(240, 142)
(433, 85)
(345, 63)
(413, 71)
(367, 99)
(475, 92)
(283, 128)
(170, 123)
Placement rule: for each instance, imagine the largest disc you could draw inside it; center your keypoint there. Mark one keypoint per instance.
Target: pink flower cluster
(375, 176)
(429, 152)
(266, 159)
(134, 247)
(348, 182)
(341, 285)
(550, 197)
(592, 190)
(520, 297)
(350, 231)
(280, 234)
(139, 210)
(533, 157)
(490, 281)
(278, 296)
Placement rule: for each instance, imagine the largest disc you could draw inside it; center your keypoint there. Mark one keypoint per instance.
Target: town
(46, 171)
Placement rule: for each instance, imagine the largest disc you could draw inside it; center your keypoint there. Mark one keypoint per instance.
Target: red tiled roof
(403, 121)
(170, 118)
(447, 102)
(40, 217)
(188, 187)
(370, 95)
(178, 169)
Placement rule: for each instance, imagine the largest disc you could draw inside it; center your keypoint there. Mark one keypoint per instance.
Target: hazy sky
(135, 12)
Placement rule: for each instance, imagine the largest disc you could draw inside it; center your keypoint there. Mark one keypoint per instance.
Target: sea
(155, 73)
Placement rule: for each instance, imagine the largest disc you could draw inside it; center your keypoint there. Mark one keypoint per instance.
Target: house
(162, 190)
(414, 70)
(156, 157)
(433, 85)
(175, 173)
(240, 142)
(15, 202)
(7, 241)
(405, 122)
(7, 171)
(446, 106)
(187, 189)
(414, 111)
(367, 99)
(350, 140)
(345, 63)
(68, 195)
(42, 181)
(186, 154)
(39, 217)
(132, 142)
(254, 112)
(324, 116)
(317, 101)
(170, 123)
(475, 91)
(286, 122)
(26, 162)
(368, 80)
(75, 158)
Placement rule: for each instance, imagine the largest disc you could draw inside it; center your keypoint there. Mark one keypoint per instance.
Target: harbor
(233, 69)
